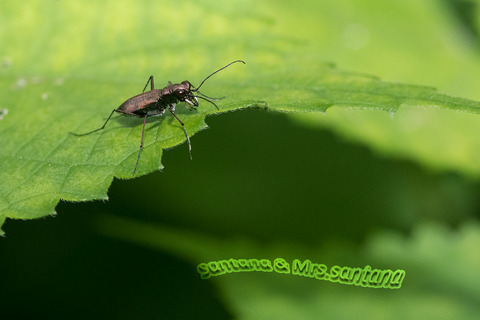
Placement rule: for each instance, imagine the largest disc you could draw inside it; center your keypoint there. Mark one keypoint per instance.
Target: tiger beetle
(155, 102)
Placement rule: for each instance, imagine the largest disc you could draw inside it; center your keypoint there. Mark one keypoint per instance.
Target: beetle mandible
(155, 102)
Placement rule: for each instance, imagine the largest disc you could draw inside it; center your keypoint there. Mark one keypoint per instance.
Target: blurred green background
(264, 184)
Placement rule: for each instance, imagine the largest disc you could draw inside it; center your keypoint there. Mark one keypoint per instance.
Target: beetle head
(183, 93)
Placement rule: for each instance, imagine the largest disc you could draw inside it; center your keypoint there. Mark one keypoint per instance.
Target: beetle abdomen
(141, 103)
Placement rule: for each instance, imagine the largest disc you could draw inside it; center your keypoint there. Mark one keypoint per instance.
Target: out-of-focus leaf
(441, 272)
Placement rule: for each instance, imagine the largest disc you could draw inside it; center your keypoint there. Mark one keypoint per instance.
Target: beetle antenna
(208, 101)
(205, 96)
(216, 72)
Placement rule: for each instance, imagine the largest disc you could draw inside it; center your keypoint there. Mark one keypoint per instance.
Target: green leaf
(67, 65)
(431, 49)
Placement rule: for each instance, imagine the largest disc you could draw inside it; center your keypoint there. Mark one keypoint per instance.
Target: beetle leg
(149, 80)
(84, 134)
(171, 109)
(141, 145)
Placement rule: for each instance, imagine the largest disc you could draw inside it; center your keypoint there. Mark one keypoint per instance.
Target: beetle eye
(181, 93)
